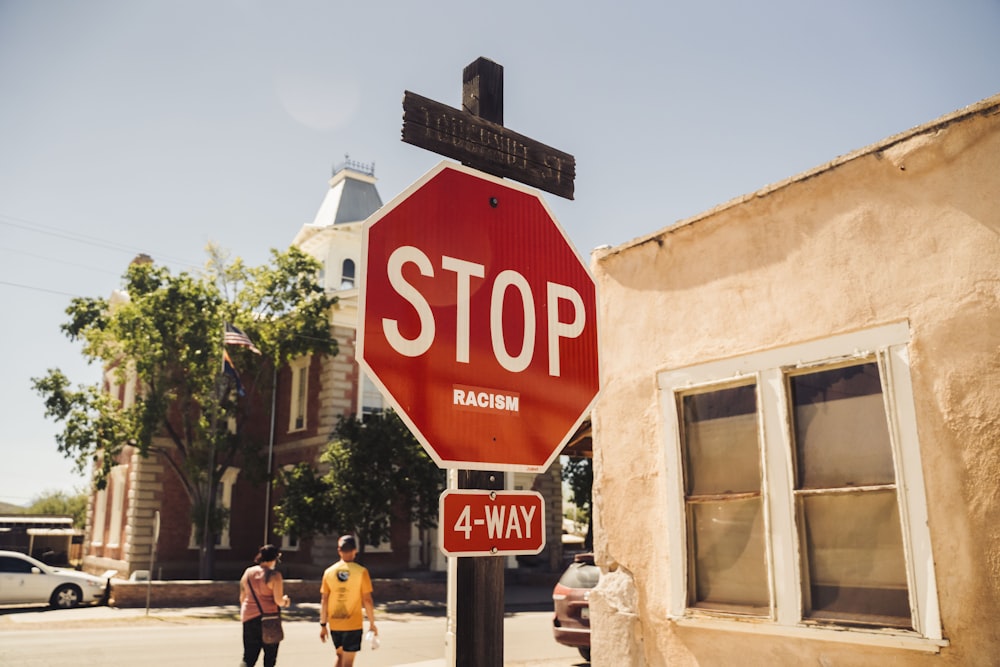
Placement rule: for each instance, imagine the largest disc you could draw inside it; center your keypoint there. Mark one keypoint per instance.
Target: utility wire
(37, 289)
(59, 261)
(38, 228)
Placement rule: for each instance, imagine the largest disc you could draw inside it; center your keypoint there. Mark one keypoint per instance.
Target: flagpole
(270, 456)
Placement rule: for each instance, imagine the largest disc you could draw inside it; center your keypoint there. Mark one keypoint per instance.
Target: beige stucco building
(797, 447)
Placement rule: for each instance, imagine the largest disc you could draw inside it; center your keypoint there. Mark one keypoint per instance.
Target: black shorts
(349, 639)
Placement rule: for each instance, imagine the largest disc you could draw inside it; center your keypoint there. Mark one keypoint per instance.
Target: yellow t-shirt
(345, 584)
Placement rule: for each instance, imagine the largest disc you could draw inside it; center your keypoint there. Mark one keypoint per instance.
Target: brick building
(312, 394)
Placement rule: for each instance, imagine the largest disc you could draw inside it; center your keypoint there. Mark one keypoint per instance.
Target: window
(799, 493)
(724, 505)
(12, 565)
(290, 542)
(347, 274)
(131, 382)
(371, 398)
(844, 468)
(100, 516)
(299, 394)
(116, 482)
(224, 499)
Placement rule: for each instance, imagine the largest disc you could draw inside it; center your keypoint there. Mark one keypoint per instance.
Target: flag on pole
(230, 370)
(233, 336)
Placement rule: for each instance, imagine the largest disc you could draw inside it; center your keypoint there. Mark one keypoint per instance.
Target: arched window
(347, 274)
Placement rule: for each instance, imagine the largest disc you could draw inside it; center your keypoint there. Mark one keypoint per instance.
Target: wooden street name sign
(487, 146)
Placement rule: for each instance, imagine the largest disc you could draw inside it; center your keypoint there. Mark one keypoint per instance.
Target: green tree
(579, 475)
(376, 471)
(61, 503)
(163, 335)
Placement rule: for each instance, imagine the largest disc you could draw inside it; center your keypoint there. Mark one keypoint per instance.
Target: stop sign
(478, 321)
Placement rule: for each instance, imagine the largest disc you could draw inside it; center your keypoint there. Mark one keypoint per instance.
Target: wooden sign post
(475, 135)
(480, 582)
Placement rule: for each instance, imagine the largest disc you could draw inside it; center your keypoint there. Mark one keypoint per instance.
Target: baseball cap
(347, 543)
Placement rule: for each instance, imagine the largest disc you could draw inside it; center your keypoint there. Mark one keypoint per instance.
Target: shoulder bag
(270, 624)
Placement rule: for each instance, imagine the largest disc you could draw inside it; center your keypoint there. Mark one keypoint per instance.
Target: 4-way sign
(478, 321)
(476, 522)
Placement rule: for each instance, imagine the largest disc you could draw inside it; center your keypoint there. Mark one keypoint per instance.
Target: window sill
(880, 638)
(218, 547)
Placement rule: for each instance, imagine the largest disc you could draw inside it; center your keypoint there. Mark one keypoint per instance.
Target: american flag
(234, 336)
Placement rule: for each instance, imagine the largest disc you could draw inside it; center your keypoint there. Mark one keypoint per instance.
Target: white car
(24, 580)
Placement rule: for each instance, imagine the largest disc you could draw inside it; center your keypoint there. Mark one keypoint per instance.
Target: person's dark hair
(266, 553)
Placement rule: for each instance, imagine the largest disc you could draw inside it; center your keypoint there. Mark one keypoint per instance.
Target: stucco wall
(907, 230)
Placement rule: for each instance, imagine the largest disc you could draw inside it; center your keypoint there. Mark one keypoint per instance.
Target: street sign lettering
(479, 522)
(496, 527)
(484, 145)
(507, 281)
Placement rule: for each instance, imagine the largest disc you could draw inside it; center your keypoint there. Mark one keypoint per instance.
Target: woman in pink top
(269, 587)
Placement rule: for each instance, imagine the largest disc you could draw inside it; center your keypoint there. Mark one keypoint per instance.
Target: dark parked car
(571, 598)
(24, 580)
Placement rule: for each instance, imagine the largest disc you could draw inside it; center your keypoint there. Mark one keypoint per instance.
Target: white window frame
(100, 518)
(370, 399)
(130, 386)
(384, 547)
(348, 282)
(289, 542)
(887, 344)
(225, 499)
(298, 401)
(117, 484)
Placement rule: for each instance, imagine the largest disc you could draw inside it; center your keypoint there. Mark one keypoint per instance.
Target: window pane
(347, 274)
(841, 434)
(299, 397)
(371, 398)
(720, 441)
(728, 552)
(854, 547)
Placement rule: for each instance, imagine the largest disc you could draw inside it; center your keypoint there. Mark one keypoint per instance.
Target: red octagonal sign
(478, 321)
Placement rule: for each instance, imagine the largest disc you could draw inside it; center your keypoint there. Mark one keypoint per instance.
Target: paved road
(108, 637)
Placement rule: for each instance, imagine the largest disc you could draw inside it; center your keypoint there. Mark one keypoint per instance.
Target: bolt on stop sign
(478, 321)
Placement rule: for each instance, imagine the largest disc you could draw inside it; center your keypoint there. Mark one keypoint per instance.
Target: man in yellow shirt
(346, 588)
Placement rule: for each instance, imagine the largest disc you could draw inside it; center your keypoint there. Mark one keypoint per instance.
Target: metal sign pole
(452, 592)
(152, 558)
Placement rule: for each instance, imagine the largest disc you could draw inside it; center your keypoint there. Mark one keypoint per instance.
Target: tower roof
(352, 196)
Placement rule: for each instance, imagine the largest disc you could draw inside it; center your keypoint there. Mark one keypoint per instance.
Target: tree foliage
(376, 471)
(60, 503)
(162, 335)
(579, 475)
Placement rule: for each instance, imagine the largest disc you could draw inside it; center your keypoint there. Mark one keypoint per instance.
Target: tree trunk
(209, 532)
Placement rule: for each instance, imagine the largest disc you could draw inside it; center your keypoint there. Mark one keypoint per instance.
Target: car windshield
(580, 575)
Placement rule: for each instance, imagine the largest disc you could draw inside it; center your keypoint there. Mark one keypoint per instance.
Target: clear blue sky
(158, 126)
